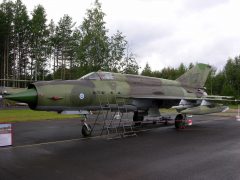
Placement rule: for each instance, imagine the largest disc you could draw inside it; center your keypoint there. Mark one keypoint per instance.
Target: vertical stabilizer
(195, 77)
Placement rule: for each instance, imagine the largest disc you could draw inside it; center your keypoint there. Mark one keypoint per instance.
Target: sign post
(5, 135)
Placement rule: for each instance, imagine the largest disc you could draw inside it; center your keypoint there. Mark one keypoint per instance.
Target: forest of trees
(225, 82)
(33, 48)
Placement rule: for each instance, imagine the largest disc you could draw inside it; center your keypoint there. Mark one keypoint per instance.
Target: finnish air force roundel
(81, 96)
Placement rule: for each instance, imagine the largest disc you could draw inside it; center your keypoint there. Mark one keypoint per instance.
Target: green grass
(30, 115)
(233, 106)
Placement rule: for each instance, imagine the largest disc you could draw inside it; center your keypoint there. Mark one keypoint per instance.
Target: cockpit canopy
(99, 76)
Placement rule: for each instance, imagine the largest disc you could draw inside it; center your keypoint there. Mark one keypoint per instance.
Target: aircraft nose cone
(29, 96)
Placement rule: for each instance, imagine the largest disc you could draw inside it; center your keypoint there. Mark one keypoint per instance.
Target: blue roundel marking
(81, 96)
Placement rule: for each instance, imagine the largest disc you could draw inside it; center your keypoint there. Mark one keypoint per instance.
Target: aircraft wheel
(86, 130)
(137, 119)
(180, 121)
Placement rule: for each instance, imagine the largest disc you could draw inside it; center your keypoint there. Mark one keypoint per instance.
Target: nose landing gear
(86, 128)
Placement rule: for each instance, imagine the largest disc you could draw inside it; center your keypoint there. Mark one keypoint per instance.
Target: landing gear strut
(138, 118)
(86, 128)
(181, 121)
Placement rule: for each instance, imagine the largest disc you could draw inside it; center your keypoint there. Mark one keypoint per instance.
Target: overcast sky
(164, 32)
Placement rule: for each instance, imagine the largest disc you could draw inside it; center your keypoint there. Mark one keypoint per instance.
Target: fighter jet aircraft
(140, 94)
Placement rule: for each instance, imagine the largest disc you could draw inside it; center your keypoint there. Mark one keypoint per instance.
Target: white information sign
(5, 135)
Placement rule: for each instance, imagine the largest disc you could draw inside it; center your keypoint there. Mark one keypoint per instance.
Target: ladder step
(115, 127)
(129, 135)
(105, 108)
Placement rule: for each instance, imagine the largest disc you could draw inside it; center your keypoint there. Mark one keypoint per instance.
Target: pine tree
(64, 42)
(93, 52)
(117, 47)
(52, 45)
(147, 70)
(129, 65)
(20, 40)
(6, 35)
(39, 43)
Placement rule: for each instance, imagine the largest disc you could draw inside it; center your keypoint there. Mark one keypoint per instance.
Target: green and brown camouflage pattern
(108, 89)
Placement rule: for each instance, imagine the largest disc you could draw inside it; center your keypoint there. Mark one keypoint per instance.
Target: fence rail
(15, 83)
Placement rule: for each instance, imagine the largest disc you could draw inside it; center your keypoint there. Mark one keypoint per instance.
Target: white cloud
(165, 32)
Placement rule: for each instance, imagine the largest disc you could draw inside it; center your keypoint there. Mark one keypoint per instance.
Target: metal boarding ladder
(103, 108)
(113, 126)
(124, 123)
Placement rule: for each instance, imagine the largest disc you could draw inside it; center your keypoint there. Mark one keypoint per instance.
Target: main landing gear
(181, 121)
(138, 117)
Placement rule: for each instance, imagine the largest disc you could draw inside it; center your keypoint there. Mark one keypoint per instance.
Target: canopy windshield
(99, 76)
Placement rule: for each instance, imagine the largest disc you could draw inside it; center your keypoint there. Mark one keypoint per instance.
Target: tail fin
(196, 76)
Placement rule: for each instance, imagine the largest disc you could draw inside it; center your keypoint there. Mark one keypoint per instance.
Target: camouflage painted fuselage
(138, 92)
(120, 92)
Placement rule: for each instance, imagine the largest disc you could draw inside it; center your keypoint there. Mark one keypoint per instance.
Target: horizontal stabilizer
(200, 110)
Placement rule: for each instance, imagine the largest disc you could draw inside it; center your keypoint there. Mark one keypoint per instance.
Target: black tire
(85, 131)
(180, 121)
(137, 119)
(135, 116)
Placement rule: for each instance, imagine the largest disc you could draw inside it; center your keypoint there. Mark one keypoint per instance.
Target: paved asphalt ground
(210, 149)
